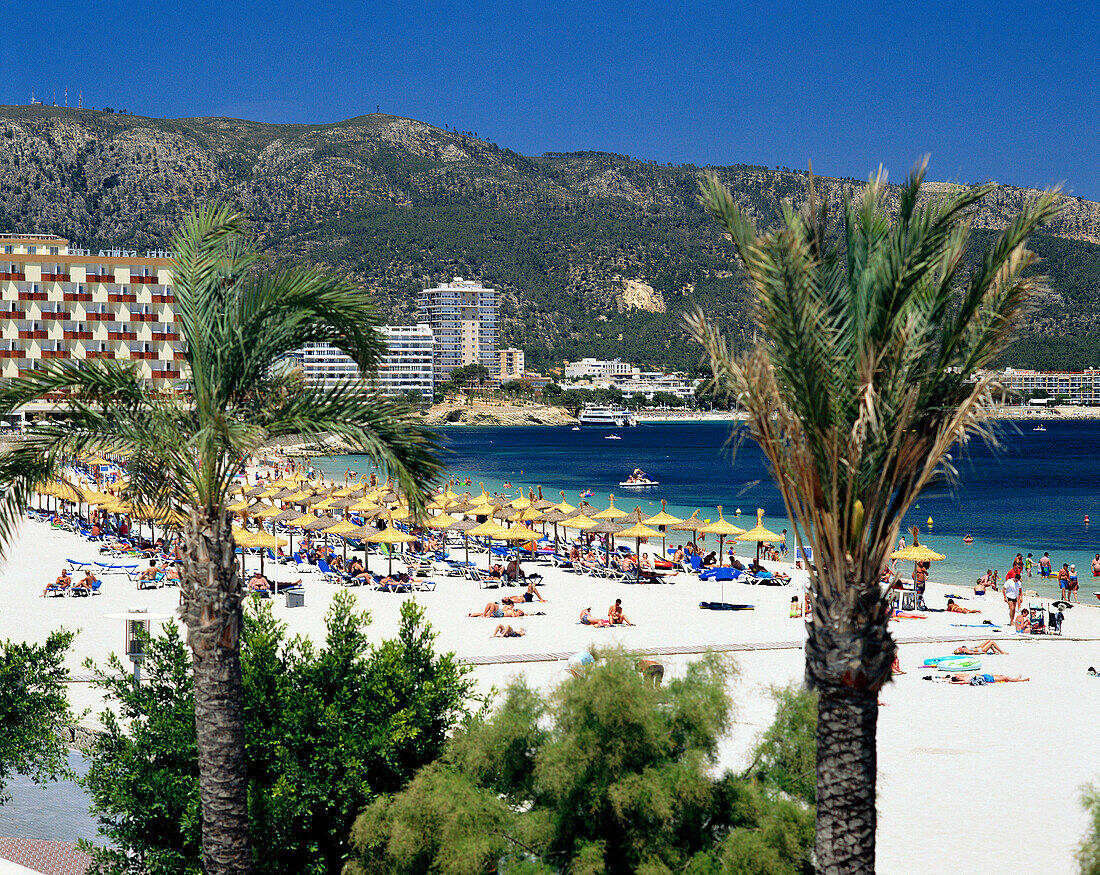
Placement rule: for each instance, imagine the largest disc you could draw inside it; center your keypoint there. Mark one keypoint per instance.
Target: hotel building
(1078, 387)
(463, 318)
(58, 301)
(406, 365)
(510, 365)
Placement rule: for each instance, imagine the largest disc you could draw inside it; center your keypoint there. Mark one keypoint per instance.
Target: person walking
(1063, 581)
(1072, 584)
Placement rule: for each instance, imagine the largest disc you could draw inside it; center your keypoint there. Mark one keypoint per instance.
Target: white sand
(971, 779)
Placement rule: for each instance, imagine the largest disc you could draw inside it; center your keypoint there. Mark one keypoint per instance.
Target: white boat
(638, 480)
(613, 416)
(612, 437)
(575, 428)
(1040, 427)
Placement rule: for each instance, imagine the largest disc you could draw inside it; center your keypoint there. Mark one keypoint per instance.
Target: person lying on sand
(503, 631)
(953, 608)
(497, 611)
(588, 620)
(987, 646)
(976, 680)
(530, 595)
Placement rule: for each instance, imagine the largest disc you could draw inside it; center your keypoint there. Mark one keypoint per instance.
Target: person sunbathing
(977, 680)
(259, 584)
(615, 615)
(953, 608)
(496, 572)
(987, 646)
(89, 581)
(530, 595)
(149, 575)
(497, 611)
(503, 631)
(1022, 623)
(588, 620)
(61, 583)
(514, 573)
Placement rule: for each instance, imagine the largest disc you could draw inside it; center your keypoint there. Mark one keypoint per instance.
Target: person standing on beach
(1096, 566)
(1072, 585)
(1063, 581)
(1044, 565)
(1012, 595)
(1028, 563)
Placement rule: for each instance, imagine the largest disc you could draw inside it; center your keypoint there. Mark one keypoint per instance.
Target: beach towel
(725, 606)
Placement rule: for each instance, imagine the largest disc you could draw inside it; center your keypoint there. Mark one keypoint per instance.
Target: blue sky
(1005, 91)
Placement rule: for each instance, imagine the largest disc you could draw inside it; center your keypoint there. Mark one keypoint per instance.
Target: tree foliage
(1088, 855)
(33, 707)
(856, 395)
(327, 729)
(604, 774)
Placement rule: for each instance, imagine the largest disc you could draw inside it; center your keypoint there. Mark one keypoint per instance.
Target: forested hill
(596, 254)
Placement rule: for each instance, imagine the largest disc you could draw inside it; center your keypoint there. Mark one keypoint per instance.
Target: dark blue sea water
(1030, 494)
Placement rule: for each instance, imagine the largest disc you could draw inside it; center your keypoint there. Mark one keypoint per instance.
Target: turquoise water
(1030, 495)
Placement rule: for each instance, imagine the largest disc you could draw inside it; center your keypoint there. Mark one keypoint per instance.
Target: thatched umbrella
(760, 534)
(554, 516)
(464, 526)
(608, 528)
(490, 529)
(638, 531)
(391, 537)
(692, 524)
(723, 530)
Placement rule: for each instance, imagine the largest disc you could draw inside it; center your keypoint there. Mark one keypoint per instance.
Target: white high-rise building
(406, 365)
(463, 317)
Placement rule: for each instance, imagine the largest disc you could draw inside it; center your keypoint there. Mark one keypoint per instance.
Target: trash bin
(296, 598)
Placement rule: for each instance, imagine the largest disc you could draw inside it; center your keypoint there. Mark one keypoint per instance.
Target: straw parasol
(917, 552)
(759, 534)
(554, 516)
(606, 527)
(692, 524)
(464, 527)
(563, 505)
(441, 521)
(541, 503)
(723, 530)
(663, 520)
(391, 536)
(639, 531)
(612, 513)
(342, 529)
(265, 513)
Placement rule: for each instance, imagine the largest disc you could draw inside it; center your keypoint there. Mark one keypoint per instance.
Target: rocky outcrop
(497, 414)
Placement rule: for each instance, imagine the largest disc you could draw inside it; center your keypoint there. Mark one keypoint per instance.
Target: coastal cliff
(496, 414)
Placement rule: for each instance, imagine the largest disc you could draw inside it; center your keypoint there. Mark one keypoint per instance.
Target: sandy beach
(971, 778)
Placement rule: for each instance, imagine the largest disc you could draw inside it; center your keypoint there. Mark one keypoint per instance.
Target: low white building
(406, 365)
(1078, 387)
(599, 369)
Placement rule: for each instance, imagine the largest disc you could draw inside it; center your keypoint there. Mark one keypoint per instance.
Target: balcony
(27, 295)
(121, 298)
(55, 354)
(14, 277)
(166, 375)
(142, 317)
(55, 278)
(99, 354)
(57, 315)
(164, 299)
(31, 334)
(13, 314)
(13, 353)
(165, 336)
(99, 317)
(148, 354)
(143, 280)
(76, 335)
(122, 335)
(100, 278)
(76, 296)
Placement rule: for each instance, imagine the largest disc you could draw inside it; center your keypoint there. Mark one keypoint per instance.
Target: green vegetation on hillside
(397, 203)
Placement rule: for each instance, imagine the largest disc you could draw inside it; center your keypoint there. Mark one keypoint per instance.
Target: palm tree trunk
(211, 596)
(847, 761)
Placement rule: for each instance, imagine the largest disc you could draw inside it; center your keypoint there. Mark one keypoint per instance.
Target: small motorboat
(612, 437)
(575, 428)
(639, 479)
(1040, 427)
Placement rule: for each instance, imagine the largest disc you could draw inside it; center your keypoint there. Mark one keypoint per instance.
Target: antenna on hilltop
(33, 101)
(80, 99)
(66, 95)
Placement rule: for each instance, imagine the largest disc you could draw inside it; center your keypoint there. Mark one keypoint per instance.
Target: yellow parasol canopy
(665, 519)
(304, 520)
(342, 528)
(720, 526)
(563, 505)
(638, 530)
(612, 513)
(390, 536)
(265, 512)
(490, 529)
(758, 532)
(579, 521)
(917, 552)
(529, 514)
(441, 522)
(519, 532)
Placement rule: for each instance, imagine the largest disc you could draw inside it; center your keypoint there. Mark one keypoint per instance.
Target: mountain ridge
(594, 253)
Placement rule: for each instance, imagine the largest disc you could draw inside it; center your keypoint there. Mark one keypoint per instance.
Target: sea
(1027, 491)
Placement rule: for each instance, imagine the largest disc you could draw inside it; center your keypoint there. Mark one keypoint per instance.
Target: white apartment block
(463, 318)
(406, 365)
(599, 369)
(1079, 387)
(62, 302)
(511, 365)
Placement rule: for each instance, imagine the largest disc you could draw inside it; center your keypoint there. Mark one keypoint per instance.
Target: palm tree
(238, 322)
(857, 393)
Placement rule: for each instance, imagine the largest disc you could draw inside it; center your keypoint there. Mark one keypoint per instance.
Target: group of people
(64, 584)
